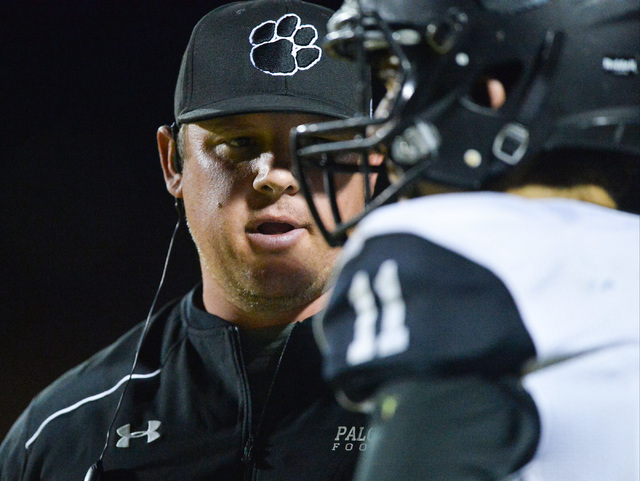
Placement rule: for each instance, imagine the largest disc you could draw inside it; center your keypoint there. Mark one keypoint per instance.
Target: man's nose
(274, 178)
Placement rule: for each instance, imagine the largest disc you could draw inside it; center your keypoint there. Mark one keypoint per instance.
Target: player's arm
(436, 342)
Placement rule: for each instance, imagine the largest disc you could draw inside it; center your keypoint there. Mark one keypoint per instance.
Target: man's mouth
(275, 233)
(274, 228)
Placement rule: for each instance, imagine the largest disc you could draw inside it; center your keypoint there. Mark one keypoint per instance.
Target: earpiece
(179, 206)
(177, 161)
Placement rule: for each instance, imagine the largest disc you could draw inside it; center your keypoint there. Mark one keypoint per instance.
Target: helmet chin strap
(538, 83)
(512, 141)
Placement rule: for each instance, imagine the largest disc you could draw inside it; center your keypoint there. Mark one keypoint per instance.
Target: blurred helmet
(474, 89)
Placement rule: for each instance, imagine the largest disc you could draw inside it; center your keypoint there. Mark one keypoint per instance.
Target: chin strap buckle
(511, 143)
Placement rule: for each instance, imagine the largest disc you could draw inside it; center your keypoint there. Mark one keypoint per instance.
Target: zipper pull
(247, 455)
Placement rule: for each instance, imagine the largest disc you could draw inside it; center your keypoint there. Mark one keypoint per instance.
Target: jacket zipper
(247, 449)
(247, 453)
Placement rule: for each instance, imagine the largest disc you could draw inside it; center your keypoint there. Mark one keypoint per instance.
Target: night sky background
(86, 219)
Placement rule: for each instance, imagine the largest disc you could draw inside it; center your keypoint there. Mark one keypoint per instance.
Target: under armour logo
(285, 46)
(125, 433)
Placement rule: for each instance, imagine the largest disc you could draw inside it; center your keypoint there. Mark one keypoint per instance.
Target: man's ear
(167, 149)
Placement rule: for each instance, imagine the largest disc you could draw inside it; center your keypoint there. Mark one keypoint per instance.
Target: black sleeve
(461, 428)
(405, 306)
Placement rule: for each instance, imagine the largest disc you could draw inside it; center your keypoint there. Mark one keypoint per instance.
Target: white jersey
(572, 273)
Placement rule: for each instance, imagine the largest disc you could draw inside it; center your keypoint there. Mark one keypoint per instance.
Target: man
(226, 382)
(493, 334)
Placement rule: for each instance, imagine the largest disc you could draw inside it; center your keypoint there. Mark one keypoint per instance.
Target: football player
(488, 315)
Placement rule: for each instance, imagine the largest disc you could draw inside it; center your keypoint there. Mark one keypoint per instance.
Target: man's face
(257, 241)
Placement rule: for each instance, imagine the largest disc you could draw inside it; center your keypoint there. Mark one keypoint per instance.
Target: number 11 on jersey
(393, 337)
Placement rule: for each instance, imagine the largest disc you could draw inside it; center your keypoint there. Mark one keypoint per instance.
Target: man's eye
(240, 142)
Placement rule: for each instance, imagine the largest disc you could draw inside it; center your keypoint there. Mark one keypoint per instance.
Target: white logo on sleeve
(126, 435)
(284, 46)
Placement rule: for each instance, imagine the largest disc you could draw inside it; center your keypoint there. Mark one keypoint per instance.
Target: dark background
(86, 219)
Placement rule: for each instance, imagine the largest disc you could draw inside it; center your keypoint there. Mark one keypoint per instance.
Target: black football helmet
(566, 73)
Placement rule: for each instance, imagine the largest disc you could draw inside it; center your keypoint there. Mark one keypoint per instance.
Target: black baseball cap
(264, 56)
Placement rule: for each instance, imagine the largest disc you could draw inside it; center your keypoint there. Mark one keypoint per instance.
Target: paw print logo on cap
(284, 47)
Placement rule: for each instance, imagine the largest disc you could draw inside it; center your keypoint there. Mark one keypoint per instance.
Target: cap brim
(263, 103)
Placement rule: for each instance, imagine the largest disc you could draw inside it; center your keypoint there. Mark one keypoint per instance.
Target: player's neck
(584, 192)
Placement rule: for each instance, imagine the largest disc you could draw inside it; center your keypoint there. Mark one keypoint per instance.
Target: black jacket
(187, 412)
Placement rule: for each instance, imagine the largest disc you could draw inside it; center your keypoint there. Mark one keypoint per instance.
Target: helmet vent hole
(493, 86)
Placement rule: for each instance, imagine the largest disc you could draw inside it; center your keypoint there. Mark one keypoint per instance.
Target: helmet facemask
(322, 166)
(444, 64)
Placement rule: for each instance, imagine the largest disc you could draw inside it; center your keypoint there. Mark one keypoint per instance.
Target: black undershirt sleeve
(460, 428)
